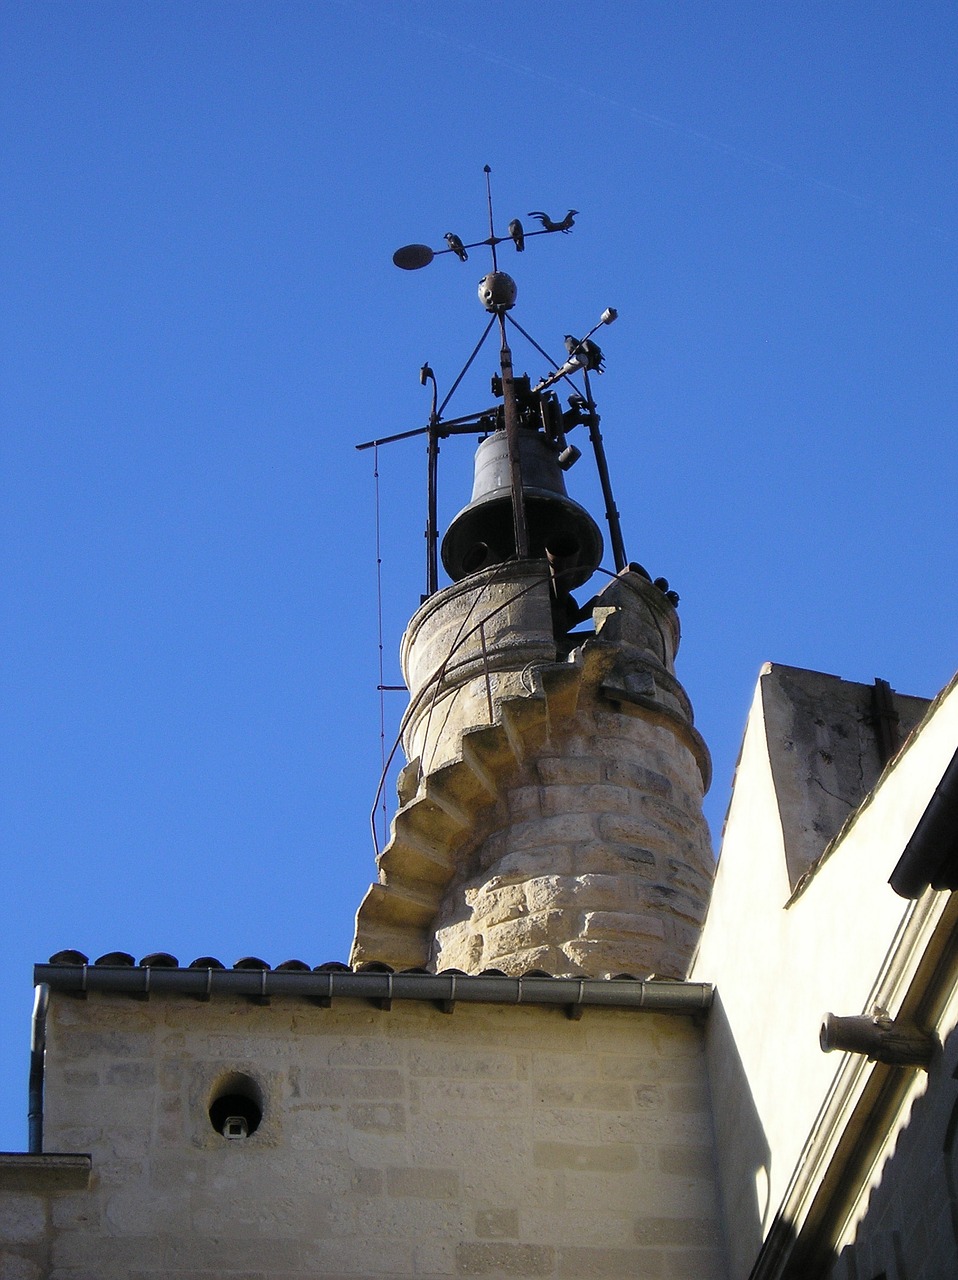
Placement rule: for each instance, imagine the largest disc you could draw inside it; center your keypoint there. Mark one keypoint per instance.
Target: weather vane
(497, 293)
(413, 256)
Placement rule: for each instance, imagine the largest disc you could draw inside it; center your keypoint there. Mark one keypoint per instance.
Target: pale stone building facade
(501, 1140)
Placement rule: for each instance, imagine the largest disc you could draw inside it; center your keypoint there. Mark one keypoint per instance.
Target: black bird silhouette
(586, 352)
(518, 235)
(456, 245)
(548, 225)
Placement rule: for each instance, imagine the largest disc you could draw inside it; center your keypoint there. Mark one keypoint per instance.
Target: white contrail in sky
(647, 117)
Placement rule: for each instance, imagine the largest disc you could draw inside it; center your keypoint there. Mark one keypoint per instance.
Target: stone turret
(551, 813)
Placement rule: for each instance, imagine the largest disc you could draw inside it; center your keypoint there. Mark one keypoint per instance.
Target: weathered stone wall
(598, 860)
(822, 735)
(465, 649)
(499, 1141)
(551, 813)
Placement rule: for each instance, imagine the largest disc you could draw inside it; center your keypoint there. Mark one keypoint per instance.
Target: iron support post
(512, 441)
(432, 536)
(611, 513)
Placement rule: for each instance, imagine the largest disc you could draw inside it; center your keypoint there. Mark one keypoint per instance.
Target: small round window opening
(237, 1107)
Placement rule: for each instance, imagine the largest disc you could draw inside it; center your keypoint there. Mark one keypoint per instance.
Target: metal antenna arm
(454, 427)
(400, 435)
(544, 382)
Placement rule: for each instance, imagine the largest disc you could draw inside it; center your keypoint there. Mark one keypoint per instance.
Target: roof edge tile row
(379, 985)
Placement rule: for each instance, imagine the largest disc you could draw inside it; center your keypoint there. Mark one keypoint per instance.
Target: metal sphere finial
(497, 291)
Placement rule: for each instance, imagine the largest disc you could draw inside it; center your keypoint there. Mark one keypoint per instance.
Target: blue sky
(201, 319)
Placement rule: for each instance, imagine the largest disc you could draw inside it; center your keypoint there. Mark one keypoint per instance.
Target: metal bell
(560, 531)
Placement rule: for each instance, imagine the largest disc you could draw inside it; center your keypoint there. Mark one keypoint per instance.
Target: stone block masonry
(499, 1141)
(597, 877)
(552, 816)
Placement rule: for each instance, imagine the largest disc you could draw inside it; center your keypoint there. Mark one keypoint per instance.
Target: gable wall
(780, 965)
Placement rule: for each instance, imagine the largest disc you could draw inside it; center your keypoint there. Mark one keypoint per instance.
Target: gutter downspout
(38, 1045)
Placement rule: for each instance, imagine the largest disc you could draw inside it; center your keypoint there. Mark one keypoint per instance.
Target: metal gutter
(446, 989)
(931, 855)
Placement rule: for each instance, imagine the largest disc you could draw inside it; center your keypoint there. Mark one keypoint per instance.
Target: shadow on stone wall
(743, 1154)
(909, 1230)
(908, 1226)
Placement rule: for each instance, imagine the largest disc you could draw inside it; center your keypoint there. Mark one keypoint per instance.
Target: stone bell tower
(550, 814)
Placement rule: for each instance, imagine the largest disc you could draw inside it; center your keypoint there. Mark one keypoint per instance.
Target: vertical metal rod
(512, 441)
(432, 537)
(611, 514)
(492, 230)
(379, 615)
(432, 484)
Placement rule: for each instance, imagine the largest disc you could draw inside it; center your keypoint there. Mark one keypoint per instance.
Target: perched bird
(586, 353)
(671, 596)
(518, 235)
(456, 245)
(548, 225)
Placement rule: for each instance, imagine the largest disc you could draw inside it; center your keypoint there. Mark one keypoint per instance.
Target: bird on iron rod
(586, 352)
(456, 245)
(518, 235)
